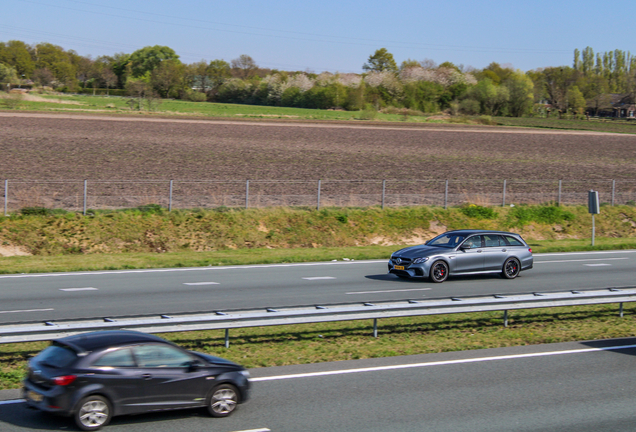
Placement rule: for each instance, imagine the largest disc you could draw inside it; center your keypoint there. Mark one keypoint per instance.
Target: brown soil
(50, 147)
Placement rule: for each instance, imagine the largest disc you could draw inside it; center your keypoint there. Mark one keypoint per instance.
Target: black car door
(169, 379)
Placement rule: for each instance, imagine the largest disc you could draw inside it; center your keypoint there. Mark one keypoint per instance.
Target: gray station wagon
(463, 252)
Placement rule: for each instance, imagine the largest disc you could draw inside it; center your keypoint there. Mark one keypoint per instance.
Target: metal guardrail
(220, 320)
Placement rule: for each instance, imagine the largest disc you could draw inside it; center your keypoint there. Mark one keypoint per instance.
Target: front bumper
(411, 271)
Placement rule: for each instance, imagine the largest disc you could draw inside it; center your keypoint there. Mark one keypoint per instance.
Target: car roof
(476, 231)
(87, 342)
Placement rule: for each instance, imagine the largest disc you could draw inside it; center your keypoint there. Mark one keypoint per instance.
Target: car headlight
(420, 260)
(245, 373)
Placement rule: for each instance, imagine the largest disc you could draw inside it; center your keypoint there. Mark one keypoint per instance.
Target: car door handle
(146, 376)
(479, 251)
(503, 250)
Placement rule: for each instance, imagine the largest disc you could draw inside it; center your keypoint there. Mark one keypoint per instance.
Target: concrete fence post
(85, 195)
(559, 195)
(318, 202)
(170, 197)
(446, 195)
(503, 202)
(383, 192)
(613, 191)
(6, 196)
(247, 193)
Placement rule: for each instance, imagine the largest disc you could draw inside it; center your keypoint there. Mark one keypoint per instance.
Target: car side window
(491, 240)
(513, 241)
(117, 358)
(152, 356)
(473, 242)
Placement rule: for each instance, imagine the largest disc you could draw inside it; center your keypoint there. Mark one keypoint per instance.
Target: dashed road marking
(26, 310)
(201, 283)
(319, 278)
(80, 289)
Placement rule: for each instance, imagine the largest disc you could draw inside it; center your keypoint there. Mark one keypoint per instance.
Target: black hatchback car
(95, 376)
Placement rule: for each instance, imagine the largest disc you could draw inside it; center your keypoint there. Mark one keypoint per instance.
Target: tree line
(590, 85)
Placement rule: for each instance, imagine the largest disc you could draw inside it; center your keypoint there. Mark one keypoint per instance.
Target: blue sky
(336, 36)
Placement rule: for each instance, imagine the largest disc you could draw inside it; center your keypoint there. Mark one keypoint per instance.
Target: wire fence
(85, 195)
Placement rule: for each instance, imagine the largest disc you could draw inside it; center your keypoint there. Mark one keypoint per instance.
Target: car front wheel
(439, 271)
(93, 413)
(223, 400)
(511, 268)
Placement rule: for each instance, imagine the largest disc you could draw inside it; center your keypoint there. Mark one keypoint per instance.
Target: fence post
(375, 327)
(559, 197)
(446, 195)
(505, 318)
(6, 196)
(613, 191)
(227, 338)
(247, 193)
(170, 197)
(503, 203)
(85, 190)
(318, 204)
(383, 192)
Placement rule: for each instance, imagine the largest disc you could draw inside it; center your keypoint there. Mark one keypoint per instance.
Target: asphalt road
(561, 387)
(41, 297)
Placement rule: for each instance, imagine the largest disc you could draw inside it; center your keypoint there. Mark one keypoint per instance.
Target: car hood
(420, 251)
(216, 360)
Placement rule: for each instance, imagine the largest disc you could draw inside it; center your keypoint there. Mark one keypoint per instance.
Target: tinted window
(446, 240)
(513, 241)
(473, 242)
(57, 356)
(491, 240)
(117, 358)
(161, 356)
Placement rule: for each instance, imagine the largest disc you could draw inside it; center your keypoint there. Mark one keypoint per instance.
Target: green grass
(614, 126)
(350, 340)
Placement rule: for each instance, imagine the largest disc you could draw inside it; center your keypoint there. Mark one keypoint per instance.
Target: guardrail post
(613, 191)
(503, 203)
(446, 195)
(170, 197)
(318, 205)
(383, 192)
(505, 318)
(621, 310)
(6, 196)
(247, 193)
(227, 338)
(375, 327)
(85, 190)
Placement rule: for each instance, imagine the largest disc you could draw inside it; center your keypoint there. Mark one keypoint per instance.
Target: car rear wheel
(511, 268)
(439, 271)
(93, 413)
(223, 400)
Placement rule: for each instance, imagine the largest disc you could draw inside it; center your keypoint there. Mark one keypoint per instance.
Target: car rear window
(513, 241)
(57, 356)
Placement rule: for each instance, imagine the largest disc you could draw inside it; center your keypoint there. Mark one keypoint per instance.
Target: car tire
(93, 413)
(223, 400)
(511, 268)
(439, 271)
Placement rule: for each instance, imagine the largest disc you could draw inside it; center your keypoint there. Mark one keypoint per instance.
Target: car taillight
(64, 380)
(530, 250)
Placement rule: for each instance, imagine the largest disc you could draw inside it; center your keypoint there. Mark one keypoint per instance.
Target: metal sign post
(594, 208)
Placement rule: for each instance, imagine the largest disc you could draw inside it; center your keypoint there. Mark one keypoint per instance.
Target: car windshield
(446, 240)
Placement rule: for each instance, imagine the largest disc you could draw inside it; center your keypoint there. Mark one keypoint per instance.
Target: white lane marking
(440, 363)
(389, 291)
(79, 289)
(255, 266)
(26, 310)
(319, 278)
(618, 252)
(255, 430)
(596, 265)
(580, 260)
(201, 283)
(14, 401)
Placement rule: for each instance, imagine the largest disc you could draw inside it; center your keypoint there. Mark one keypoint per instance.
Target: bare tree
(244, 66)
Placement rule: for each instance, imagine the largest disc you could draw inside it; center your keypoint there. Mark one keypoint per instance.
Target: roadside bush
(368, 113)
(478, 212)
(523, 215)
(35, 211)
(194, 96)
(150, 209)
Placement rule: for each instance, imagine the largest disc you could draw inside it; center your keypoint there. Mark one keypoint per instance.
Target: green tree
(16, 54)
(521, 93)
(147, 59)
(576, 101)
(8, 75)
(381, 60)
(491, 97)
(167, 78)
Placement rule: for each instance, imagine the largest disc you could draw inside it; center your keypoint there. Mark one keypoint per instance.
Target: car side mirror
(192, 365)
(465, 246)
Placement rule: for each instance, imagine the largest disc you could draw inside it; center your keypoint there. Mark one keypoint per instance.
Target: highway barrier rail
(226, 320)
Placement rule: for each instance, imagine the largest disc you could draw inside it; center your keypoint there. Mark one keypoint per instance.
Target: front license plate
(398, 267)
(35, 397)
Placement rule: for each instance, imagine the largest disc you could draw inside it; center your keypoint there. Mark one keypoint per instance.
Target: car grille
(403, 261)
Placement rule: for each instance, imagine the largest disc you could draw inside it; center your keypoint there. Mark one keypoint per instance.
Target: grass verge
(314, 343)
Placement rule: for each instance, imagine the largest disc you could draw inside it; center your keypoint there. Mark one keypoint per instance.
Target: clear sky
(332, 35)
